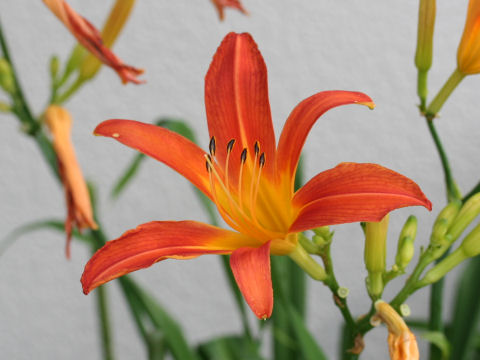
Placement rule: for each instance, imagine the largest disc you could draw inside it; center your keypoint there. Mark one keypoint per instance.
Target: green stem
(472, 192)
(21, 108)
(412, 283)
(435, 322)
(341, 303)
(452, 193)
(104, 316)
(422, 88)
(60, 99)
(102, 303)
(444, 93)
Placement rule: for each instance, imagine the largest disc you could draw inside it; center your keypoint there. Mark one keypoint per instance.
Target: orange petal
(220, 4)
(164, 145)
(353, 192)
(155, 241)
(251, 268)
(236, 100)
(90, 38)
(301, 120)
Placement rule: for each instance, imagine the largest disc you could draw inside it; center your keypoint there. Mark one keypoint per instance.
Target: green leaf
(439, 339)
(287, 321)
(127, 176)
(466, 312)
(308, 346)
(56, 225)
(174, 339)
(229, 348)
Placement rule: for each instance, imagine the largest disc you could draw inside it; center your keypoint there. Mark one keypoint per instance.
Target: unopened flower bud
(4, 107)
(323, 231)
(471, 243)
(468, 212)
(444, 220)
(468, 54)
(7, 82)
(423, 55)
(113, 26)
(406, 249)
(426, 24)
(54, 66)
(375, 254)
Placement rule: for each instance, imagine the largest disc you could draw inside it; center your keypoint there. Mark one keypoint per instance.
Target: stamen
(228, 219)
(230, 145)
(261, 164)
(211, 146)
(229, 150)
(243, 158)
(256, 147)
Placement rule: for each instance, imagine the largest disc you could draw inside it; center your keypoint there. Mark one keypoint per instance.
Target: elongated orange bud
(79, 208)
(468, 55)
(113, 26)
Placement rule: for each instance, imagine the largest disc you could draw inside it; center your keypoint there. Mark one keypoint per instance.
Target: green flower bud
(471, 243)
(426, 24)
(375, 255)
(5, 107)
(323, 231)
(469, 211)
(7, 82)
(54, 66)
(406, 249)
(443, 222)
(423, 55)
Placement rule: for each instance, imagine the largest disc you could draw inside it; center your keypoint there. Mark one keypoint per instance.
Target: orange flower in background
(79, 208)
(468, 55)
(402, 343)
(90, 38)
(250, 179)
(221, 4)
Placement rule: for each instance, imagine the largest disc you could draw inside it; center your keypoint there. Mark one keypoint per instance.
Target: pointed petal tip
(370, 104)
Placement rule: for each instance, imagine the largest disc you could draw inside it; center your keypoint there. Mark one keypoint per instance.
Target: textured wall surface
(309, 46)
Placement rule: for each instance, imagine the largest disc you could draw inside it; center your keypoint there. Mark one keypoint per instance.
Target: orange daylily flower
(402, 343)
(250, 180)
(221, 4)
(90, 38)
(79, 208)
(468, 54)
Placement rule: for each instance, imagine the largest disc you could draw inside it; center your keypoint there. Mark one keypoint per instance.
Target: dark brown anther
(207, 166)
(256, 147)
(243, 156)
(230, 145)
(261, 161)
(208, 162)
(211, 146)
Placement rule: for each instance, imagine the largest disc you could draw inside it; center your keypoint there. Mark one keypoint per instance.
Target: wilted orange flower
(79, 208)
(90, 38)
(250, 180)
(221, 4)
(468, 55)
(402, 344)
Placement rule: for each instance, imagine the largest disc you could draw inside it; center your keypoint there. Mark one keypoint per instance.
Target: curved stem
(452, 193)
(351, 331)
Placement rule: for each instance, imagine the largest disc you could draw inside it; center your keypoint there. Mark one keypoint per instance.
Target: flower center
(238, 203)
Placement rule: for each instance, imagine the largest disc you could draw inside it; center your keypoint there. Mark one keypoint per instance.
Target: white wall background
(309, 46)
